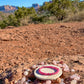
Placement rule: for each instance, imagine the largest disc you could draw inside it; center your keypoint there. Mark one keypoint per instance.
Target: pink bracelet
(55, 69)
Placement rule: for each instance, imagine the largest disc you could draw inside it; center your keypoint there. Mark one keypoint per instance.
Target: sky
(20, 3)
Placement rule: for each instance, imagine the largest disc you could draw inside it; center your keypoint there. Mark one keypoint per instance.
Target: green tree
(13, 21)
(23, 12)
(58, 7)
(81, 6)
(19, 13)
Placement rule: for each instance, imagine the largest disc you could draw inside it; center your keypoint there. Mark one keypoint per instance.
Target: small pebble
(42, 63)
(29, 81)
(72, 70)
(59, 80)
(54, 62)
(48, 82)
(60, 65)
(25, 73)
(57, 62)
(73, 82)
(75, 77)
(66, 69)
(62, 83)
(25, 82)
(65, 65)
(15, 81)
(34, 66)
(62, 80)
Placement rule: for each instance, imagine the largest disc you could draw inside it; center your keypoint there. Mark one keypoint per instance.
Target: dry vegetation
(69, 10)
(3, 15)
(79, 16)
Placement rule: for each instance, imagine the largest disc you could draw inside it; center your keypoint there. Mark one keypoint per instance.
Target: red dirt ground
(24, 46)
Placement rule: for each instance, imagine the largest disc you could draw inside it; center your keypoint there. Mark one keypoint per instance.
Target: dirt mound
(23, 46)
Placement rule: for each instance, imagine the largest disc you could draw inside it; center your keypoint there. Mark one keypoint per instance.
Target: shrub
(57, 8)
(11, 20)
(25, 21)
(23, 12)
(75, 17)
(20, 17)
(2, 25)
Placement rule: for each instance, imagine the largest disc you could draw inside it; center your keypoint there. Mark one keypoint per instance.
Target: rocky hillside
(36, 6)
(8, 8)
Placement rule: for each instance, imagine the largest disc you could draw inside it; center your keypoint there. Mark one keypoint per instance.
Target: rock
(25, 83)
(48, 82)
(60, 65)
(34, 66)
(65, 65)
(54, 62)
(25, 73)
(72, 70)
(66, 68)
(42, 63)
(59, 80)
(28, 80)
(73, 82)
(57, 62)
(23, 80)
(62, 83)
(75, 77)
(62, 80)
(15, 82)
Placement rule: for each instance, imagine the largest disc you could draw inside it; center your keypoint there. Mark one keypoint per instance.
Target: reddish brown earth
(24, 46)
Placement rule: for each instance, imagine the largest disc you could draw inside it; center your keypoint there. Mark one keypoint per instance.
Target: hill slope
(8, 8)
(27, 45)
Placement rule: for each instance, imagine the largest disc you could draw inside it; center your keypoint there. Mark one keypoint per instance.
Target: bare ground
(24, 46)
